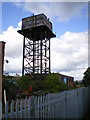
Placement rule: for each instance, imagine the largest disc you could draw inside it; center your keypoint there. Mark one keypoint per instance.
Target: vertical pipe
(33, 56)
(41, 53)
(34, 52)
(38, 56)
(49, 58)
(45, 54)
(23, 55)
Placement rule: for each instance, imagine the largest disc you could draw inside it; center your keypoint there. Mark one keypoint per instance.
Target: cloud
(13, 42)
(62, 11)
(69, 53)
(14, 66)
(13, 49)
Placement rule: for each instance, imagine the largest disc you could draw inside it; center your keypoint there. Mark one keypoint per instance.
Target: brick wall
(70, 80)
(2, 44)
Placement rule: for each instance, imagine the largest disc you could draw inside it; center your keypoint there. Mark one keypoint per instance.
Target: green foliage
(54, 84)
(78, 84)
(50, 83)
(38, 85)
(86, 78)
(11, 87)
(24, 82)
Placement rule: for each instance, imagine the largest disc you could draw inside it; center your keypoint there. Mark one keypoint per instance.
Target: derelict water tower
(37, 31)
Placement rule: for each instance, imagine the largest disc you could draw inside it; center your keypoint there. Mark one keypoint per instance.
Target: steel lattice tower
(37, 31)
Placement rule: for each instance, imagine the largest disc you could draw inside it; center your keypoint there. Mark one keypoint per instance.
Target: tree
(54, 84)
(11, 88)
(86, 78)
(24, 82)
(49, 83)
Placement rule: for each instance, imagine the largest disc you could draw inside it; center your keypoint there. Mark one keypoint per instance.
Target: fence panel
(85, 100)
(66, 104)
(71, 104)
(62, 105)
(89, 99)
(80, 102)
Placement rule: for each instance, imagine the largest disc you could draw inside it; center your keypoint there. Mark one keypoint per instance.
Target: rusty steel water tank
(32, 27)
(36, 21)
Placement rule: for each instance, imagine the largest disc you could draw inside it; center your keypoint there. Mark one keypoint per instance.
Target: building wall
(67, 79)
(2, 45)
(71, 81)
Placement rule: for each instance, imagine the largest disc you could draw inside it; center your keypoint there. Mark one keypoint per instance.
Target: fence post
(43, 106)
(29, 108)
(48, 106)
(12, 109)
(21, 108)
(78, 103)
(17, 108)
(66, 102)
(46, 103)
(46, 110)
(6, 110)
(41, 110)
(25, 108)
(35, 108)
(38, 112)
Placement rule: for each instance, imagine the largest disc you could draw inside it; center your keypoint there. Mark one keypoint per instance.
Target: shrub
(48, 83)
(54, 84)
(24, 82)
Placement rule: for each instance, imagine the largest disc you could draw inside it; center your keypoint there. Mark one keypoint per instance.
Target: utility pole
(2, 46)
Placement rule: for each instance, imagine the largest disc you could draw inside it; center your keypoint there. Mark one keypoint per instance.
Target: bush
(54, 84)
(24, 82)
(50, 83)
(86, 77)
